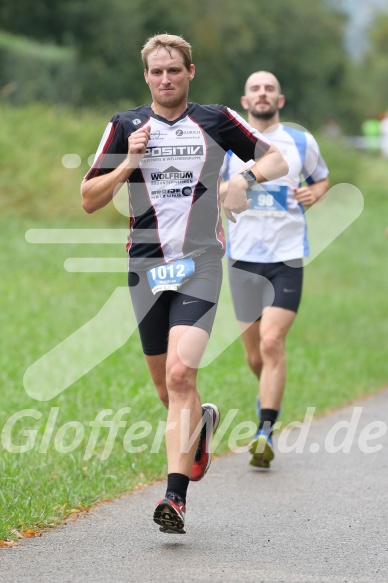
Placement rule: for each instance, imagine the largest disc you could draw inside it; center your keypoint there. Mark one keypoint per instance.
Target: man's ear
(281, 101)
(244, 102)
(146, 76)
(191, 72)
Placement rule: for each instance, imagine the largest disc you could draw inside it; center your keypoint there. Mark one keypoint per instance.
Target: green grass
(336, 348)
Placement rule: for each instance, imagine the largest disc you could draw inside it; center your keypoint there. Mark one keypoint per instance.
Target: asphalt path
(317, 516)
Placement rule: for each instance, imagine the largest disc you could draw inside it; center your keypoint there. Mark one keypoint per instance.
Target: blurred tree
(374, 73)
(109, 37)
(31, 71)
(301, 42)
(45, 20)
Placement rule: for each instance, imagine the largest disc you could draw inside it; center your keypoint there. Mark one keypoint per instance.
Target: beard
(266, 115)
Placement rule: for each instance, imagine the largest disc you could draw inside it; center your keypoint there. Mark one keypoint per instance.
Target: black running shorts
(255, 286)
(194, 304)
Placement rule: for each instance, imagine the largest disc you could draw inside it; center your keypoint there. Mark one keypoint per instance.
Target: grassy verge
(336, 349)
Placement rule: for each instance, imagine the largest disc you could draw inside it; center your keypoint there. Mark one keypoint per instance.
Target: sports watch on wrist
(249, 177)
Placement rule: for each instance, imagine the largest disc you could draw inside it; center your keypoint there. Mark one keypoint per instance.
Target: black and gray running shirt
(174, 201)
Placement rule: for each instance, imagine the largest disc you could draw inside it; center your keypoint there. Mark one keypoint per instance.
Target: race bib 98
(268, 201)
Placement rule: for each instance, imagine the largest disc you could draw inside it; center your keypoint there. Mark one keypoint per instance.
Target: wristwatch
(249, 177)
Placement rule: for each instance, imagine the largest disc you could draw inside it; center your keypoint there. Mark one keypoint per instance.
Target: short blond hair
(168, 42)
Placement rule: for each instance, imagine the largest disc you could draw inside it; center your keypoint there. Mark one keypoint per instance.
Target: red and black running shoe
(203, 457)
(170, 515)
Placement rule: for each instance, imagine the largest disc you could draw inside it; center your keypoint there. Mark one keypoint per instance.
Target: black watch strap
(249, 177)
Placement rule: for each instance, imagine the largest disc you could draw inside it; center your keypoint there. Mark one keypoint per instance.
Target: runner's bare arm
(311, 193)
(270, 166)
(99, 191)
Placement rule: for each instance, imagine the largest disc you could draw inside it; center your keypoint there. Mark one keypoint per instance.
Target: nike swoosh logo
(287, 291)
(191, 302)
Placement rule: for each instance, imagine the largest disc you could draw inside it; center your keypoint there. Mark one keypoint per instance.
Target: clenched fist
(137, 144)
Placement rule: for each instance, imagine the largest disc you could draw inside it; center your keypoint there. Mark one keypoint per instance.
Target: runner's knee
(179, 381)
(271, 347)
